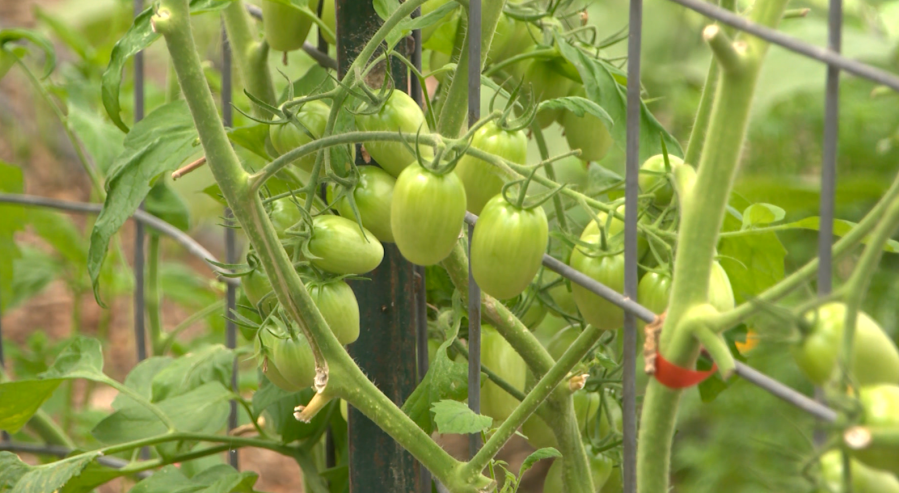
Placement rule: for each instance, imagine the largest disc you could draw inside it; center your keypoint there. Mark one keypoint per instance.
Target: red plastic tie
(676, 377)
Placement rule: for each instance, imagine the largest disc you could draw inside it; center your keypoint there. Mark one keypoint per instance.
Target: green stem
(702, 215)
(142, 401)
(42, 425)
(167, 339)
(250, 55)
(152, 297)
(172, 89)
(544, 53)
(455, 107)
(550, 173)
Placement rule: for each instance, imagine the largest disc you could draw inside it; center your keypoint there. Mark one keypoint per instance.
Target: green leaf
(410, 24)
(209, 364)
(603, 89)
(159, 143)
(762, 214)
(11, 220)
(20, 400)
(164, 203)
(34, 271)
(44, 478)
(101, 139)
(220, 478)
(753, 262)
(538, 455)
(202, 410)
(140, 379)
(82, 358)
(166, 480)
(841, 228)
(279, 404)
(456, 417)
(91, 477)
(251, 138)
(579, 106)
(138, 37)
(61, 233)
(385, 8)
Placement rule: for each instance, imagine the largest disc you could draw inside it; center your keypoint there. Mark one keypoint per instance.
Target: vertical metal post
(140, 335)
(629, 464)
(474, 292)
(4, 436)
(387, 306)
(831, 136)
(230, 247)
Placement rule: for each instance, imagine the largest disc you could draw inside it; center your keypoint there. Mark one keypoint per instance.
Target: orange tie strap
(676, 377)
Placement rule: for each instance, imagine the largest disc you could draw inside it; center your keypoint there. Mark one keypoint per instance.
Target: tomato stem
(250, 55)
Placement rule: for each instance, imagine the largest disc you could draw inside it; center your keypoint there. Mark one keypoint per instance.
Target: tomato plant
(398, 113)
(337, 303)
(373, 195)
(339, 246)
(498, 355)
(310, 124)
(606, 268)
(482, 180)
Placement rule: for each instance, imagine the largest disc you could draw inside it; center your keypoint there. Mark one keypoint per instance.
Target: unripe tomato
(546, 83)
(600, 470)
(507, 247)
(614, 484)
(373, 195)
(534, 314)
(498, 355)
(341, 247)
(426, 214)
(653, 292)
(512, 37)
(881, 410)
(256, 285)
(285, 27)
(864, 478)
(587, 133)
(482, 180)
(549, 327)
(562, 340)
(265, 343)
(540, 435)
(875, 358)
(607, 269)
(721, 294)
(400, 113)
(652, 175)
(284, 214)
(602, 421)
(287, 136)
(614, 231)
(337, 303)
(560, 293)
(294, 359)
(329, 17)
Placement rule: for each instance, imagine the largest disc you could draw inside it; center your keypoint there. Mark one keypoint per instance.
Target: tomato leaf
(761, 214)
(34, 271)
(456, 417)
(409, 24)
(211, 364)
(220, 478)
(603, 89)
(579, 106)
(164, 203)
(102, 140)
(540, 454)
(385, 8)
(11, 470)
(159, 143)
(753, 262)
(11, 220)
(841, 228)
(82, 358)
(20, 400)
(140, 379)
(39, 479)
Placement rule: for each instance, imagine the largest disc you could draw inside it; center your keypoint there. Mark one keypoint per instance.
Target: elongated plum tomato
(398, 114)
(265, 343)
(258, 288)
(653, 178)
(864, 478)
(546, 82)
(600, 470)
(875, 358)
(507, 247)
(482, 180)
(881, 412)
(329, 17)
(587, 133)
(721, 293)
(607, 269)
(373, 195)
(614, 231)
(295, 361)
(498, 355)
(285, 213)
(653, 292)
(342, 248)
(512, 37)
(426, 214)
(337, 304)
(285, 27)
(287, 136)
(560, 293)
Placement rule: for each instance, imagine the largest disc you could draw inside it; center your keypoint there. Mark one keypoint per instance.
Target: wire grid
(629, 304)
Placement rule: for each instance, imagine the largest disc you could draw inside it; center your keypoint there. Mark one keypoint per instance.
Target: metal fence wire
(628, 301)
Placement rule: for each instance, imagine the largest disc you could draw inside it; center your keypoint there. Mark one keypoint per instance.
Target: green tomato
(507, 247)
(373, 195)
(342, 248)
(653, 177)
(549, 327)
(344, 411)
(881, 411)
(287, 136)
(875, 358)
(600, 470)
(721, 293)
(285, 27)
(265, 343)
(426, 214)
(614, 230)
(607, 269)
(864, 478)
(587, 133)
(285, 213)
(653, 292)
(540, 435)
(258, 288)
(337, 304)
(602, 420)
(614, 484)
(498, 355)
(482, 180)
(400, 113)
(512, 37)
(562, 340)
(534, 315)
(329, 17)
(560, 293)
(546, 83)
(294, 360)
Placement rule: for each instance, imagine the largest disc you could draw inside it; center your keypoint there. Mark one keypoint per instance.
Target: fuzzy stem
(250, 55)
(551, 174)
(152, 295)
(43, 426)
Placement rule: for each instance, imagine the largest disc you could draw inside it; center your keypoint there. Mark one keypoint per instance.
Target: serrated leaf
(605, 90)
(159, 143)
(82, 358)
(52, 476)
(11, 470)
(209, 364)
(841, 228)
(538, 455)
(140, 379)
(12, 219)
(762, 214)
(456, 417)
(251, 138)
(19, 401)
(579, 106)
